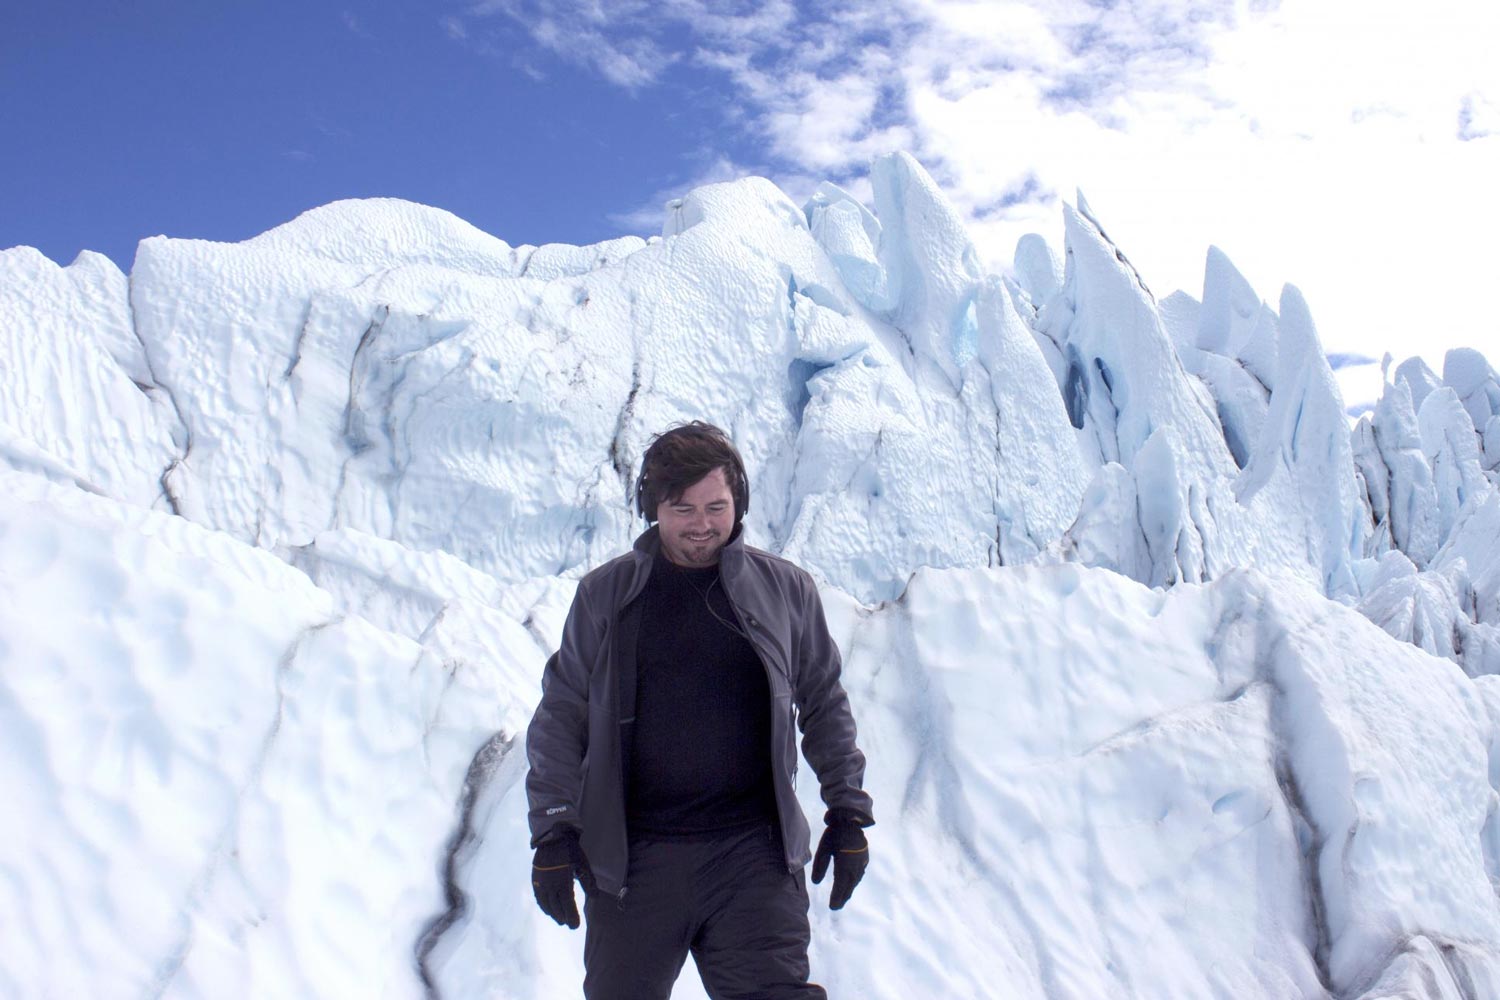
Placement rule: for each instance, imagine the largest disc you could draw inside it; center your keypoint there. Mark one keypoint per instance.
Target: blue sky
(221, 120)
(1346, 146)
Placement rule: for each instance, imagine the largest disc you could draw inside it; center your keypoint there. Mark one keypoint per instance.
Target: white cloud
(762, 23)
(353, 23)
(827, 124)
(613, 41)
(1320, 142)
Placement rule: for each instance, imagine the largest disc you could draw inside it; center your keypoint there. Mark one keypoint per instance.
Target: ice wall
(224, 779)
(386, 369)
(288, 527)
(1432, 493)
(79, 402)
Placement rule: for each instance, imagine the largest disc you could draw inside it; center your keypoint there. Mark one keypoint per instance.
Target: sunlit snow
(1172, 683)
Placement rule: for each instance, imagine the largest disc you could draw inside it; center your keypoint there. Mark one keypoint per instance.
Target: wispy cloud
(328, 128)
(1312, 139)
(1477, 118)
(619, 41)
(830, 85)
(354, 24)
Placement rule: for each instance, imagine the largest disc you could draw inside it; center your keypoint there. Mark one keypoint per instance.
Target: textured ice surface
(1474, 540)
(1430, 491)
(385, 368)
(78, 402)
(267, 747)
(1419, 377)
(1184, 430)
(1424, 608)
(1400, 813)
(850, 234)
(1452, 449)
(1303, 447)
(1412, 502)
(219, 784)
(389, 370)
(930, 263)
(1230, 307)
(1038, 270)
(1467, 373)
(232, 785)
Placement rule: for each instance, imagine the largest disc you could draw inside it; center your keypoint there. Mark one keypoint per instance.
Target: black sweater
(701, 756)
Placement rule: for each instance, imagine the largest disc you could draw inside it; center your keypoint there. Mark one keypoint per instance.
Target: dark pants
(730, 901)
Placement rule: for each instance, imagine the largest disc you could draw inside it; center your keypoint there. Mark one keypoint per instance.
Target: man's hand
(558, 861)
(844, 844)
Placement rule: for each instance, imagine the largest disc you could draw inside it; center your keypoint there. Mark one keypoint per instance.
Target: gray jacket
(582, 729)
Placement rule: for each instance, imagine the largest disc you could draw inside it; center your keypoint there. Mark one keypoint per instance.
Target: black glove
(844, 844)
(558, 861)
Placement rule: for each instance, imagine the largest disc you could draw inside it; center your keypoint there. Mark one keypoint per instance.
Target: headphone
(646, 500)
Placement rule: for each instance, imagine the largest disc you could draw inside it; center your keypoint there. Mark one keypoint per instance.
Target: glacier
(1173, 683)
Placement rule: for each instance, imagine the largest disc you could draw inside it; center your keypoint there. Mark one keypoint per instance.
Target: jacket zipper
(753, 625)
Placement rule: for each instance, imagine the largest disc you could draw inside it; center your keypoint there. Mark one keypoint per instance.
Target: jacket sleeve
(828, 732)
(557, 739)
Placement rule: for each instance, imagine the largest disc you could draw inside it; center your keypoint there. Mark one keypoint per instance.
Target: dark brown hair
(679, 457)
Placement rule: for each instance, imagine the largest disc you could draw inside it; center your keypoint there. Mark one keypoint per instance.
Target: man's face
(696, 526)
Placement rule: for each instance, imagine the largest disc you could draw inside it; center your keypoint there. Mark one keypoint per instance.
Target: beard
(692, 551)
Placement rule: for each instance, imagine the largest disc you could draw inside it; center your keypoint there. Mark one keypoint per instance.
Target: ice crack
(224, 847)
(481, 771)
(167, 493)
(618, 456)
(296, 355)
(1310, 843)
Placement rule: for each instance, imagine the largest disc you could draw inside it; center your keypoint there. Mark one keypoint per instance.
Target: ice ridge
(1176, 685)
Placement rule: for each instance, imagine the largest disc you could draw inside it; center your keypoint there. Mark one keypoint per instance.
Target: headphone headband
(715, 443)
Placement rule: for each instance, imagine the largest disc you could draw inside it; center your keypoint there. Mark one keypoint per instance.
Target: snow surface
(1088, 788)
(1171, 684)
(78, 400)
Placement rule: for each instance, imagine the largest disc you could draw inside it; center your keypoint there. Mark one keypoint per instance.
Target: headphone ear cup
(741, 491)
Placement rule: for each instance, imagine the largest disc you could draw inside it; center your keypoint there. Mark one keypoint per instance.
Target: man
(663, 752)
